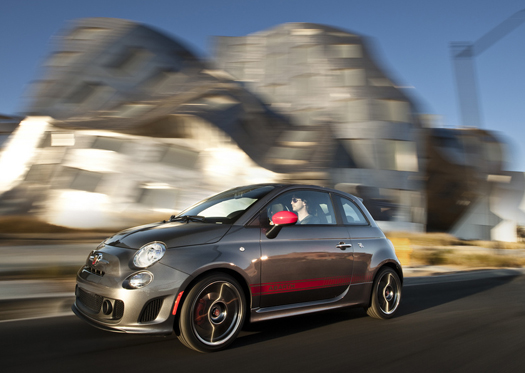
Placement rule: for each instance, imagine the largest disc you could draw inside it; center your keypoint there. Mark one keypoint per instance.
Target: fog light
(140, 279)
(107, 307)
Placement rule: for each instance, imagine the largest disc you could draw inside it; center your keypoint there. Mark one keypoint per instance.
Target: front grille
(119, 309)
(90, 300)
(94, 271)
(151, 310)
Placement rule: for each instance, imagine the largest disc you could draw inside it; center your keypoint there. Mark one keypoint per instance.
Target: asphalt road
(460, 325)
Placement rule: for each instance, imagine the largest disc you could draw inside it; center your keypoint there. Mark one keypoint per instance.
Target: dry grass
(445, 239)
(453, 258)
(445, 249)
(29, 224)
(427, 239)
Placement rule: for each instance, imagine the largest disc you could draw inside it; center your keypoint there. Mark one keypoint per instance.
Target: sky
(411, 38)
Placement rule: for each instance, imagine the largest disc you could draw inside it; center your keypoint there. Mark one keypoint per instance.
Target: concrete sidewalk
(37, 274)
(23, 299)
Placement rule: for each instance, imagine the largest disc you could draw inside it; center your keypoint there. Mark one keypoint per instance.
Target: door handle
(343, 246)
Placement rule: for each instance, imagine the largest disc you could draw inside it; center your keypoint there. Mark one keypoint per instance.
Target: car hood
(173, 234)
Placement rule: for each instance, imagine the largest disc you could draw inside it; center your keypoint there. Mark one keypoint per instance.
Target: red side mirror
(284, 217)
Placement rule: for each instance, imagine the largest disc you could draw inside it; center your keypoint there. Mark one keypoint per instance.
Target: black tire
(212, 314)
(386, 295)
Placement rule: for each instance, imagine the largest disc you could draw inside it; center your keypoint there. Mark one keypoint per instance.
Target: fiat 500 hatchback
(256, 252)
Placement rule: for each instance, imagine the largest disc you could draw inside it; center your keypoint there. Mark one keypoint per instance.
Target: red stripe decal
(301, 285)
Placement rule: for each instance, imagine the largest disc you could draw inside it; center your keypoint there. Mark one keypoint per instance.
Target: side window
(312, 208)
(350, 213)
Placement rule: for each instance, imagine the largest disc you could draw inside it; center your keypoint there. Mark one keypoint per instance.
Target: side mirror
(279, 220)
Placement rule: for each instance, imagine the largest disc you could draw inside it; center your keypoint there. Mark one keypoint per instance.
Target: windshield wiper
(188, 218)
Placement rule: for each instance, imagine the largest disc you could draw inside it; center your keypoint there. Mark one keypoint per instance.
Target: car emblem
(96, 258)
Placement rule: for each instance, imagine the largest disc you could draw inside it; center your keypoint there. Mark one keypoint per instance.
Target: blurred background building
(127, 124)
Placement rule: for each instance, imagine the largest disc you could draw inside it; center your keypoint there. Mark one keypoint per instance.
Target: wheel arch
(236, 275)
(396, 267)
(392, 265)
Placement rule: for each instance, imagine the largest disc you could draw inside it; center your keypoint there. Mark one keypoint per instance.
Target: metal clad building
(125, 123)
(326, 81)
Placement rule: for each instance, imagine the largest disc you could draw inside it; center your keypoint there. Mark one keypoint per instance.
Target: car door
(305, 262)
(364, 237)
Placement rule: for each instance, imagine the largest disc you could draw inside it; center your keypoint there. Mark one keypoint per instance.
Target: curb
(29, 308)
(470, 275)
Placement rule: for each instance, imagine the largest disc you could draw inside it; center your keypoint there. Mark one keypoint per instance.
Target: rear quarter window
(351, 214)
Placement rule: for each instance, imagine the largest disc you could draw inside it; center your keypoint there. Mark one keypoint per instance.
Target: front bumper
(102, 300)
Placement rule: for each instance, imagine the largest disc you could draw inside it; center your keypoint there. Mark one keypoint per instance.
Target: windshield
(225, 207)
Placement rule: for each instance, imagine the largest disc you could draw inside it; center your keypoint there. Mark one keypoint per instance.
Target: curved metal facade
(327, 81)
(137, 121)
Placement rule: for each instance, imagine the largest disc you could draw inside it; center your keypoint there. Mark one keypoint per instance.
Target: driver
(301, 207)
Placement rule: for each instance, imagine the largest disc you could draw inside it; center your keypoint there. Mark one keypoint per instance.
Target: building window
(275, 63)
(130, 60)
(355, 111)
(236, 69)
(305, 117)
(130, 110)
(406, 156)
(85, 180)
(345, 51)
(158, 197)
(392, 111)
(298, 138)
(238, 49)
(290, 153)
(350, 78)
(180, 157)
(386, 154)
(62, 139)
(302, 85)
(307, 53)
(83, 93)
(493, 152)
(397, 155)
(107, 143)
(46, 140)
(40, 173)
(362, 152)
(277, 38)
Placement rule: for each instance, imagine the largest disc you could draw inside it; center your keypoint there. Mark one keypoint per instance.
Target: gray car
(255, 252)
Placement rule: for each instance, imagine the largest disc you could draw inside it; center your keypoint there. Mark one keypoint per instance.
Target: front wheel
(386, 294)
(212, 314)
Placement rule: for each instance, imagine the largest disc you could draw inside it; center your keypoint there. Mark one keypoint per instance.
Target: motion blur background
(116, 114)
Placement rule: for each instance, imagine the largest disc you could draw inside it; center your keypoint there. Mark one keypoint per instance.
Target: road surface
(465, 324)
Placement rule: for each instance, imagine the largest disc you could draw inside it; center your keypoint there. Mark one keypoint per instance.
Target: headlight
(140, 279)
(149, 254)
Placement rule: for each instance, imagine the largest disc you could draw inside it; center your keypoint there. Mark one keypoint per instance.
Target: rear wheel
(386, 294)
(212, 314)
